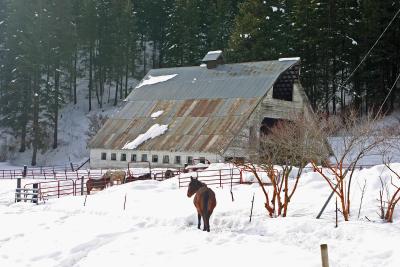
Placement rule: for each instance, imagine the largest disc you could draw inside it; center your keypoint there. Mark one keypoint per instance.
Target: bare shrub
(392, 193)
(290, 145)
(354, 138)
(96, 121)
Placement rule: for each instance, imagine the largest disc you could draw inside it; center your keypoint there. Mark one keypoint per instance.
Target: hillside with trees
(48, 46)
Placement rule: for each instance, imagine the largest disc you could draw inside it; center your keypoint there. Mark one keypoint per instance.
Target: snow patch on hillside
(73, 131)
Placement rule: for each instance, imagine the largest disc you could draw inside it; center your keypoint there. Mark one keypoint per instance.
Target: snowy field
(159, 228)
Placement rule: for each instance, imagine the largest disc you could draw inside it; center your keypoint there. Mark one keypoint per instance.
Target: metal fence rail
(38, 172)
(212, 177)
(27, 195)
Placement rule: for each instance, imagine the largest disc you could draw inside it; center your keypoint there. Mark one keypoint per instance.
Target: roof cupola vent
(213, 59)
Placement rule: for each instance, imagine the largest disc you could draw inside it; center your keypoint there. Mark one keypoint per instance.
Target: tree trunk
(144, 55)
(75, 74)
(109, 93)
(116, 92)
(90, 76)
(120, 87)
(24, 119)
(35, 125)
(101, 85)
(56, 104)
(154, 54)
(126, 79)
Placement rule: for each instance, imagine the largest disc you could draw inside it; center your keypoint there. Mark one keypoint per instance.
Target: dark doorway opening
(267, 124)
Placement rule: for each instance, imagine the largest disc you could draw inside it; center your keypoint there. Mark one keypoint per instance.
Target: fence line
(213, 177)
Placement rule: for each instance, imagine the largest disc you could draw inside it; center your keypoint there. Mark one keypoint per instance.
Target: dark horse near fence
(97, 183)
(132, 178)
(204, 201)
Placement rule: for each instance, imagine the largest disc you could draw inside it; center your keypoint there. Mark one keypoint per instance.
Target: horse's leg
(198, 220)
(205, 221)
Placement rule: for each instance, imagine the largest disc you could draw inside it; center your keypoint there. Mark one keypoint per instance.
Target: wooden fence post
(220, 179)
(252, 204)
(58, 189)
(18, 191)
(336, 213)
(35, 193)
(24, 172)
(324, 255)
(82, 179)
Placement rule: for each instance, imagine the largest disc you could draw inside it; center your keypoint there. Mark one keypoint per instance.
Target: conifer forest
(349, 50)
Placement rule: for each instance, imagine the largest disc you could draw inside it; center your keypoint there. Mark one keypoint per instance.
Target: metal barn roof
(203, 108)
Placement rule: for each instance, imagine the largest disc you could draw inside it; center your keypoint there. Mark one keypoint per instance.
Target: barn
(213, 112)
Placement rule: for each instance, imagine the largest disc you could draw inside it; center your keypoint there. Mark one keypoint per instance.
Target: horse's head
(194, 185)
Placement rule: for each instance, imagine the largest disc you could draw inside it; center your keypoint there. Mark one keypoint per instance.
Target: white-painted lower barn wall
(97, 162)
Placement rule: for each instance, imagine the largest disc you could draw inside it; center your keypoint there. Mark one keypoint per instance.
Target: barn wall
(97, 162)
(280, 109)
(243, 145)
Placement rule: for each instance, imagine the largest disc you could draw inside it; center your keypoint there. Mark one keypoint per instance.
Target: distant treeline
(47, 45)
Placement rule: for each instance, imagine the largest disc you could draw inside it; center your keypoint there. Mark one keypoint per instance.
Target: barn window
(123, 157)
(283, 87)
(177, 159)
(113, 156)
(203, 160)
(189, 160)
(144, 157)
(154, 158)
(103, 156)
(165, 159)
(133, 158)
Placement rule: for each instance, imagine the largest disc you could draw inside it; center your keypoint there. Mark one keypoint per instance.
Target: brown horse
(204, 201)
(169, 174)
(115, 176)
(97, 183)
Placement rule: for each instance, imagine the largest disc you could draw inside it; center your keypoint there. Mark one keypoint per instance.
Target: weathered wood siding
(243, 145)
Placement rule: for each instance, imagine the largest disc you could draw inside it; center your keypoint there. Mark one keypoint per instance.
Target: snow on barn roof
(203, 108)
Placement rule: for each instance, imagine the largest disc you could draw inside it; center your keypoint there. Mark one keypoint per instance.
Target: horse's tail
(205, 208)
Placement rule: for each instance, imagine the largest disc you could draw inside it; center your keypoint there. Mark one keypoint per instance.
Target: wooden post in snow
(82, 181)
(336, 213)
(324, 255)
(18, 191)
(252, 204)
(35, 193)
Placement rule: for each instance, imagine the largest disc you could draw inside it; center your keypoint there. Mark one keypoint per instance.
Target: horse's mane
(199, 183)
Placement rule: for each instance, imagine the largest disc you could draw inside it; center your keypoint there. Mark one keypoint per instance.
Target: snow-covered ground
(159, 228)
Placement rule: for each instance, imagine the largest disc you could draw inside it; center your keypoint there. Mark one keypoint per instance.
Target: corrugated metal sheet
(244, 80)
(203, 108)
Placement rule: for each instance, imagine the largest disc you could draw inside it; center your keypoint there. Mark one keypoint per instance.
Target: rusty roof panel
(204, 109)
